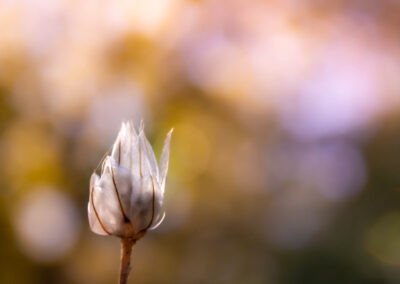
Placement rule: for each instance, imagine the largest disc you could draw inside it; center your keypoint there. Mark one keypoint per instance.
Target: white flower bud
(127, 198)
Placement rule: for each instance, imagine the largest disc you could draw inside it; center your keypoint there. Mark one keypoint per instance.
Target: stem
(126, 251)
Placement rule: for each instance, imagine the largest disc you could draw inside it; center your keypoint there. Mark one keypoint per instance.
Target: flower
(126, 199)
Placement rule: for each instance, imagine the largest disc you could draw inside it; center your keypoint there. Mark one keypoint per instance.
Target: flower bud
(126, 199)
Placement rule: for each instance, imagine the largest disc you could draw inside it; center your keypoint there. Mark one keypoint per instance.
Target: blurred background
(285, 159)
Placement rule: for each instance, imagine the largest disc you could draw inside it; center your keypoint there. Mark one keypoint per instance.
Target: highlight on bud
(126, 199)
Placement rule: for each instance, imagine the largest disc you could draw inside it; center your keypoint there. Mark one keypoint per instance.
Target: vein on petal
(95, 212)
(126, 219)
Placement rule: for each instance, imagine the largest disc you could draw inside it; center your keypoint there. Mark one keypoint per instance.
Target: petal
(124, 149)
(122, 181)
(158, 212)
(145, 204)
(158, 221)
(164, 160)
(106, 204)
(150, 156)
(135, 158)
(145, 168)
(93, 179)
(94, 223)
(159, 200)
(116, 150)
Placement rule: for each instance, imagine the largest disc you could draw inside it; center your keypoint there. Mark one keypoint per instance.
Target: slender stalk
(126, 251)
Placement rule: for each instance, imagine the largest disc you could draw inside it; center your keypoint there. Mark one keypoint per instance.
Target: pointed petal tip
(94, 178)
(132, 128)
(168, 137)
(128, 128)
(129, 123)
(94, 175)
(108, 163)
(141, 126)
(122, 130)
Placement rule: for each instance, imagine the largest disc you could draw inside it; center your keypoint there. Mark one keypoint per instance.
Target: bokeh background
(285, 160)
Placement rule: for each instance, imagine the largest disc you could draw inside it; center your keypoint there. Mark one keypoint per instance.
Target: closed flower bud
(126, 199)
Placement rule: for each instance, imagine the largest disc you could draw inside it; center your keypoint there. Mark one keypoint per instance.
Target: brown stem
(126, 251)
